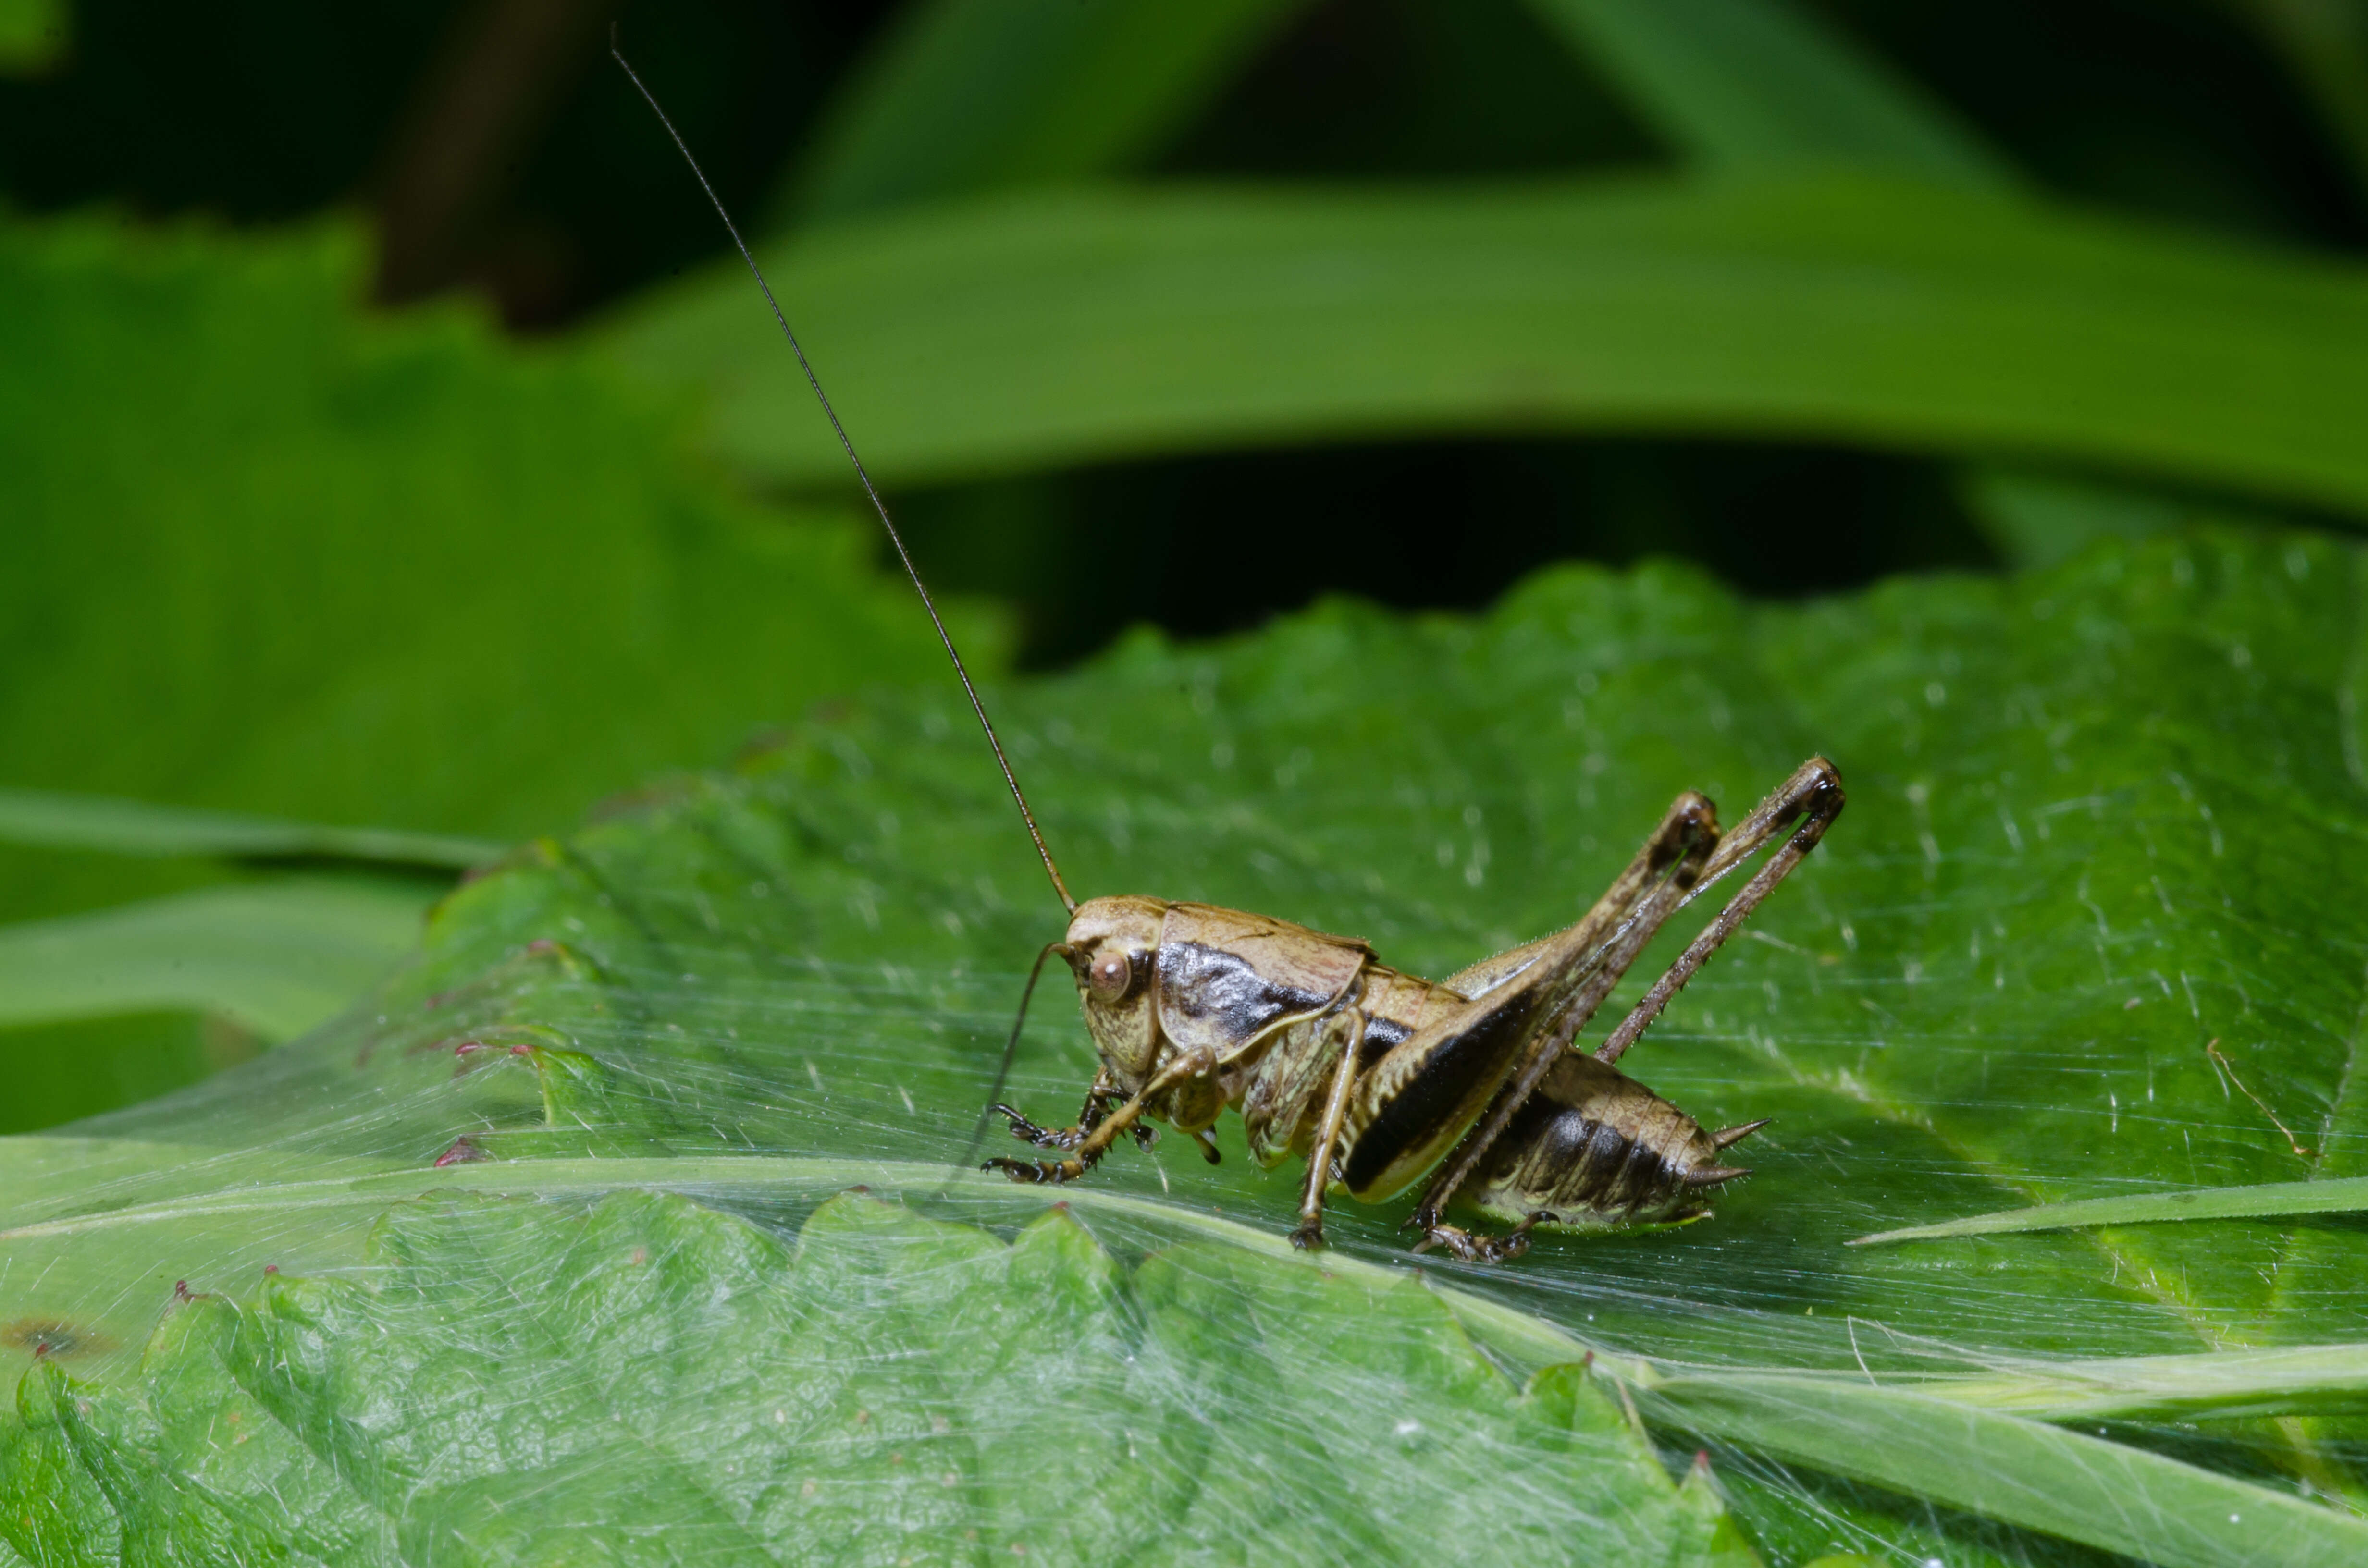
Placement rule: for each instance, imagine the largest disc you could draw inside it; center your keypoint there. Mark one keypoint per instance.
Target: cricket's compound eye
(1111, 976)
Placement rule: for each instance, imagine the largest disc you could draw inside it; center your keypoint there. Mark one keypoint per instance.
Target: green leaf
(2101, 816)
(274, 957)
(34, 36)
(2037, 518)
(1933, 1440)
(889, 1388)
(268, 552)
(2266, 1200)
(311, 563)
(136, 828)
(1761, 86)
(967, 95)
(1024, 333)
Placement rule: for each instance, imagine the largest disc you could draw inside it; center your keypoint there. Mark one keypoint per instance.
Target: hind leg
(1811, 797)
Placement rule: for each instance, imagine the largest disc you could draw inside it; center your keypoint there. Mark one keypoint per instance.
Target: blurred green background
(385, 443)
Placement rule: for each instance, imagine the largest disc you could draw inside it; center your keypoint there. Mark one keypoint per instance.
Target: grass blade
(1021, 334)
(2288, 1380)
(276, 957)
(970, 94)
(1760, 85)
(59, 821)
(2343, 1194)
(2066, 1483)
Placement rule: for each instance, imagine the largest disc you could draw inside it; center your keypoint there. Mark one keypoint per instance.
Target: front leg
(1099, 1098)
(1089, 1151)
(1028, 1131)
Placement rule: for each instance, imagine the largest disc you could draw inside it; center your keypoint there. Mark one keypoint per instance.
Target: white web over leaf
(2099, 819)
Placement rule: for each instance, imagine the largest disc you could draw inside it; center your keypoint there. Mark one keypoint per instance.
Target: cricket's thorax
(1265, 1006)
(1164, 983)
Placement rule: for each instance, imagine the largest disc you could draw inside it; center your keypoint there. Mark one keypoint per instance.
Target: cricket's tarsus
(862, 474)
(1376, 1077)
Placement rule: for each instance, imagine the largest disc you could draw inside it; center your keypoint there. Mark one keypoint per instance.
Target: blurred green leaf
(59, 1073)
(1022, 333)
(1755, 86)
(1761, 86)
(2325, 45)
(2091, 809)
(34, 36)
(136, 828)
(967, 95)
(2039, 519)
(270, 554)
(275, 957)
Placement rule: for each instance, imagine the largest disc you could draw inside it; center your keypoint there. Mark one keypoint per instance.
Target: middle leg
(1309, 1236)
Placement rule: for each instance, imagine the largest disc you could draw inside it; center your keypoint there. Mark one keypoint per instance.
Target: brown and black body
(1376, 1076)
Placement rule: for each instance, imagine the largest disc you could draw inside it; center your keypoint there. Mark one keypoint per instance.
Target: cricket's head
(1113, 954)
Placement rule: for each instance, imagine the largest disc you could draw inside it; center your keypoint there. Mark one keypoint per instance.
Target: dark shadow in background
(1212, 544)
(258, 110)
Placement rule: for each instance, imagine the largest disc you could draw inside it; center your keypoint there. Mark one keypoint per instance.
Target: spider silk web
(627, 1224)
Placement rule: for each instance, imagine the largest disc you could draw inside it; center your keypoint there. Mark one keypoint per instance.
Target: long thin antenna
(878, 505)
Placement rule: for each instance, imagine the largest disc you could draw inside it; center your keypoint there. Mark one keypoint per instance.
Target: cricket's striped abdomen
(1595, 1147)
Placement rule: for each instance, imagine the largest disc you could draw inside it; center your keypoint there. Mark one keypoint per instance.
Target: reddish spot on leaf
(462, 1152)
(45, 1337)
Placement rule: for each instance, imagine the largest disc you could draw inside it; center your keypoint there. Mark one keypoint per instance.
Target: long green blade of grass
(275, 957)
(2264, 1201)
(1021, 334)
(2287, 1380)
(60, 820)
(1755, 85)
(969, 93)
(2069, 1485)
